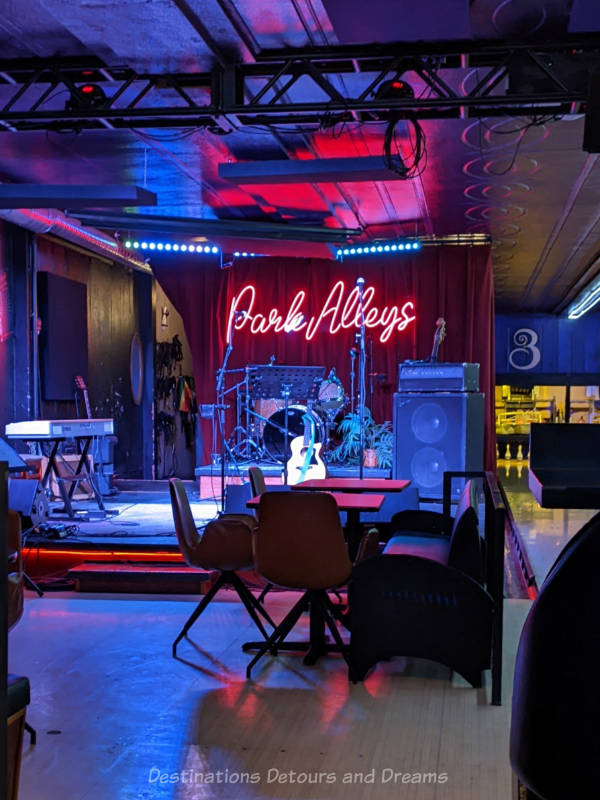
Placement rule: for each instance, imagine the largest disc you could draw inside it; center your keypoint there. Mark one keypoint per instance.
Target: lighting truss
(32, 91)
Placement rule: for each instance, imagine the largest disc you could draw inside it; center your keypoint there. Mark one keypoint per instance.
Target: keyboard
(59, 428)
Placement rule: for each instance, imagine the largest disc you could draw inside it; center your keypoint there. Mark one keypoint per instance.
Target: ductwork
(48, 220)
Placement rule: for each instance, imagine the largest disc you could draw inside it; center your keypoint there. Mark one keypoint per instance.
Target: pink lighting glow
(340, 310)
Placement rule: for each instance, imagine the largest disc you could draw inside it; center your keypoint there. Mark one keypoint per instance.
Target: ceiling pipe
(49, 221)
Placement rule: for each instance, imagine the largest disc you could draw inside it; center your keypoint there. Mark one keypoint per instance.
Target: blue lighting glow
(384, 247)
(134, 244)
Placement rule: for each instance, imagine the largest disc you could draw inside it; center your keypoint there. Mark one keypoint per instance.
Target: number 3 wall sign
(525, 354)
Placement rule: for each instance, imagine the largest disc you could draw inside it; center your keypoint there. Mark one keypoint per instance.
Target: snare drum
(274, 432)
(266, 407)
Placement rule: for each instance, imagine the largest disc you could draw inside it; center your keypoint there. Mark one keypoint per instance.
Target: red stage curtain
(453, 282)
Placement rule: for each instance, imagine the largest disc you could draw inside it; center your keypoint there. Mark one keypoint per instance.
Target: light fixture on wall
(585, 300)
(164, 317)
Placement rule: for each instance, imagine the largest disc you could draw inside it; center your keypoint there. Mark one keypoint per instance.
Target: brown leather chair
(299, 544)
(225, 546)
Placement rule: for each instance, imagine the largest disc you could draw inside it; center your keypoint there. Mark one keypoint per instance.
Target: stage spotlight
(88, 95)
(396, 89)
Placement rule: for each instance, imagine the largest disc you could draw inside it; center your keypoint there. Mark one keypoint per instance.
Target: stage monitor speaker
(29, 499)
(434, 433)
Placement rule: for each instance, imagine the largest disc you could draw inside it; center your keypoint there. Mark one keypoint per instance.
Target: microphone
(239, 315)
(360, 282)
(271, 360)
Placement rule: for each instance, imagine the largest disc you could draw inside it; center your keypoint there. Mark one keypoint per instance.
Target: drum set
(272, 403)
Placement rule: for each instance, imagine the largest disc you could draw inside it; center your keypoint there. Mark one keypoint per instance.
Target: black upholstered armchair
(412, 606)
(554, 739)
(427, 596)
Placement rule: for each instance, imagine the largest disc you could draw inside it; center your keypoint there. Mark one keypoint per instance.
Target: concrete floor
(117, 717)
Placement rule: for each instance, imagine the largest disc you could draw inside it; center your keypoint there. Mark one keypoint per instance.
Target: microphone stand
(220, 409)
(360, 282)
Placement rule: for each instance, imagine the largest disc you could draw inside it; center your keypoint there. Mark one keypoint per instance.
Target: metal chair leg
(197, 611)
(280, 632)
(264, 593)
(249, 601)
(32, 733)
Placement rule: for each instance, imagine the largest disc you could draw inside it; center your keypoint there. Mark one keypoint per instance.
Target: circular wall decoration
(136, 369)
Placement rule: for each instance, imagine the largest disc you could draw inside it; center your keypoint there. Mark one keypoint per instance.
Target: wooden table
(351, 503)
(353, 487)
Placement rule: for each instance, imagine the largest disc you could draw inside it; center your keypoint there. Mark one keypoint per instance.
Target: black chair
(453, 542)
(554, 738)
(424, 598)
(403, 605)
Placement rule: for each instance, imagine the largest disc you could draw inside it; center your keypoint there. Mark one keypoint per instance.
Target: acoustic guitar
(305, 462)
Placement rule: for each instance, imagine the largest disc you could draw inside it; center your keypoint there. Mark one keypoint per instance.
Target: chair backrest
(185, 527)
(224, 544)
(555, 706)
(299, 543)
(465, 544)
(257, 481)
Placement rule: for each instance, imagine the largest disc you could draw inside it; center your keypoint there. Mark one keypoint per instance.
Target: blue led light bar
(174, 247)
(376, 249)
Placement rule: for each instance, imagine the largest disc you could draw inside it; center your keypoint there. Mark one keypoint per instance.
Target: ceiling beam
(190, 226)
(313, 170)
(30, 195)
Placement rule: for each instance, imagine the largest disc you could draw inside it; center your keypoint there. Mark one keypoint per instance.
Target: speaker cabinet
(29, 499)
(591, 130)
(434, 433)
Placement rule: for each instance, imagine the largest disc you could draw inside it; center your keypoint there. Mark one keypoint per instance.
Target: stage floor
(142, 530)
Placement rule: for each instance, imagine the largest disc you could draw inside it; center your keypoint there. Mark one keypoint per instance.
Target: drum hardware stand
(360, 282)
(371, 374)
(285, 393)
(352, 377)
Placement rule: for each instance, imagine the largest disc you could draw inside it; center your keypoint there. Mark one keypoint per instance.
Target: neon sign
(341, 310)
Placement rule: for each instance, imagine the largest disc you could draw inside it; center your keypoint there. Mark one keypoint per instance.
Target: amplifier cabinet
(434, 376)
(434, 433)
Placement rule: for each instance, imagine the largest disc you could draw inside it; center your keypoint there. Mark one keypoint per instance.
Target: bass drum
(274, 432)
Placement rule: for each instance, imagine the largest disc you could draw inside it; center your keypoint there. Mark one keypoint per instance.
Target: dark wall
(16, 368)
(115, 295)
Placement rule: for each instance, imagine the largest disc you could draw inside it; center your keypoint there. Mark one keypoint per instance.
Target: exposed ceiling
(499, 164)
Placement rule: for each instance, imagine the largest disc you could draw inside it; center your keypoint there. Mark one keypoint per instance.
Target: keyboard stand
(82, 472)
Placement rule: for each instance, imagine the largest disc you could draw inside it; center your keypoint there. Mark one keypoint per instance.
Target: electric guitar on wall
(80, 384)
(305, 462)
(439, 336)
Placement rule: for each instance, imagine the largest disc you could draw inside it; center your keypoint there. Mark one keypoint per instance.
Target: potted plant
(377, 438)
